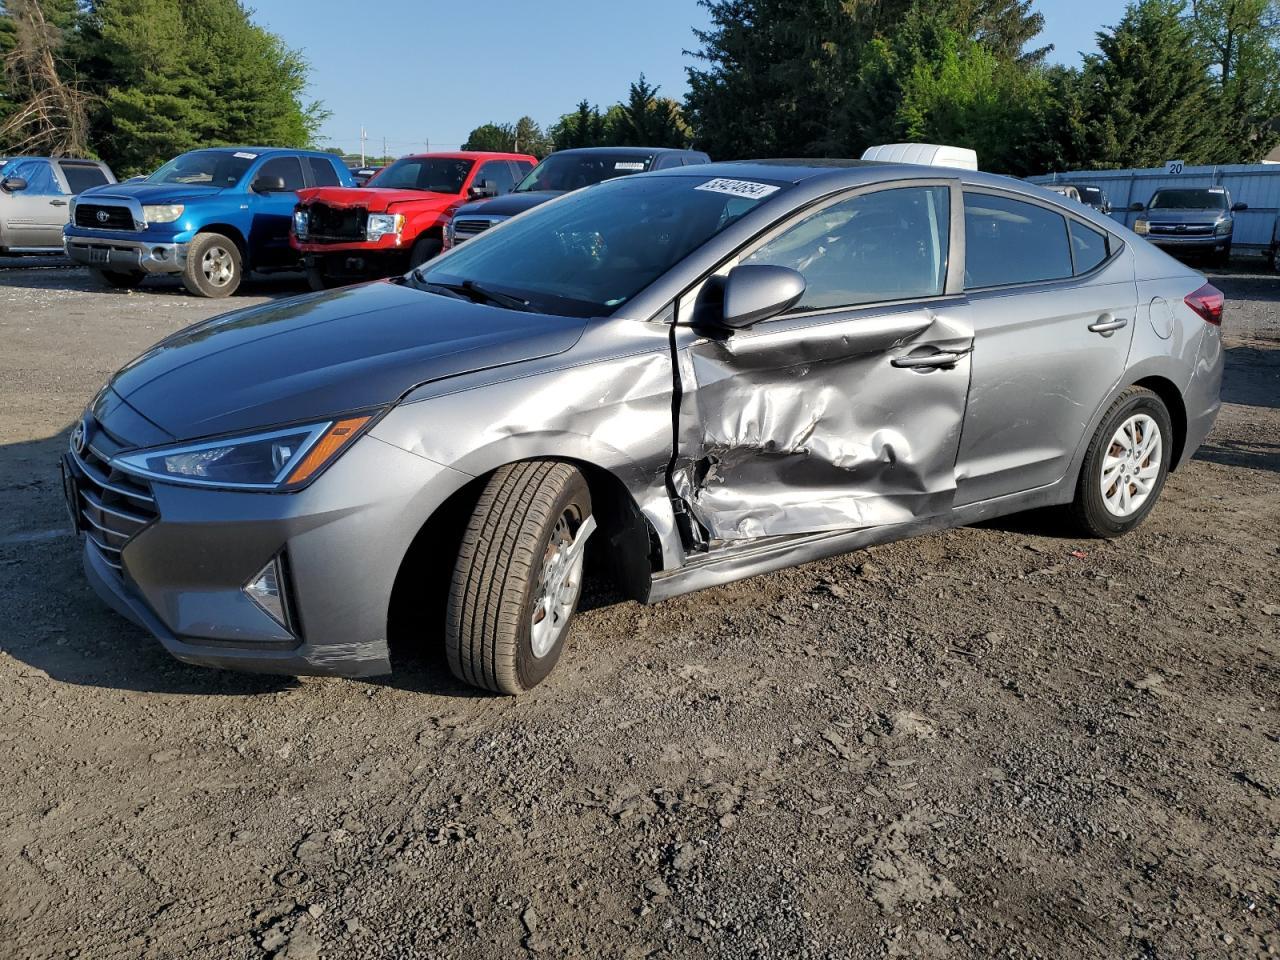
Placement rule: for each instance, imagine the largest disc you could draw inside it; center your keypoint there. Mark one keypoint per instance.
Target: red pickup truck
(394, 222)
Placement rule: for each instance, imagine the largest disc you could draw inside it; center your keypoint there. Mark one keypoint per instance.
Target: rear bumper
(1203, 396)
(126, 256)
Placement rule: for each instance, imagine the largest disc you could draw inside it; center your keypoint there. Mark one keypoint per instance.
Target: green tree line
(135, 82)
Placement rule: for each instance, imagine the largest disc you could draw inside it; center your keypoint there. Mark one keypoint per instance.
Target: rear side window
(1088, 247)
(873, 248)
(287, 168)
(82, 176)
(322, 172)
(1008, 241)
(522, 167)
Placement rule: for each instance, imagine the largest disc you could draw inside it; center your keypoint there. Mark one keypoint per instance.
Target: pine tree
(649, 120)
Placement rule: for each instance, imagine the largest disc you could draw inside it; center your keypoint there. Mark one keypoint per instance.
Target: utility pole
(384, 149)
(363, 137)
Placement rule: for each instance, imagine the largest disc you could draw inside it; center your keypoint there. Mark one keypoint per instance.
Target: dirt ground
(993, 742)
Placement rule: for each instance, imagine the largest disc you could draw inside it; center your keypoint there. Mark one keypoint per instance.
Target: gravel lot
(996, 741)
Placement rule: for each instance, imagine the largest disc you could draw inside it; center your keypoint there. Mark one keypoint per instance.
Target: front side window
(874, 248)
(573, 171)
(434, 174)
(590, 252)
(1008, 241)
(1088, 247)
(498, 174)
(287, 169)
(40, 178)
(208, 168)
(83, 176)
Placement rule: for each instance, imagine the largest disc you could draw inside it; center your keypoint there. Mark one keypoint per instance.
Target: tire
(508, 552)
(424, 249)
(114, 278)
(318, 280)
(1099, 510)
(213, 268)
(1222, 258)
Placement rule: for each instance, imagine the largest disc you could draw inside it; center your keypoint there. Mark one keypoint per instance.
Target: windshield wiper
(470, 290)
(495, 296)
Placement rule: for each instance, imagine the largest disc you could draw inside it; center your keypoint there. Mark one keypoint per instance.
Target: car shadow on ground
(1252, 377)
(58, 273)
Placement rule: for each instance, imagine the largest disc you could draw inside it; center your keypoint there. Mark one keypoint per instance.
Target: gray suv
(684, 378)
(1190, 220)
(35, 199)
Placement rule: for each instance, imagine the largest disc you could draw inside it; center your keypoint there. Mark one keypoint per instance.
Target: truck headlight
(1222, 228)
(301, 223)
(162, 212)
(283, 459)
(1142, 228)
(381, 224)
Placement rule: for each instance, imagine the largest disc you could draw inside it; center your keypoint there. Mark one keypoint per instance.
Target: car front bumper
(126, 256)
(356, 265)
(342, 540)
(1190, 244)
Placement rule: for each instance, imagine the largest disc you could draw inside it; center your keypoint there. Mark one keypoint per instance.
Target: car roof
(838, 171)
(469, 155)
(264, 151)
(624, 148)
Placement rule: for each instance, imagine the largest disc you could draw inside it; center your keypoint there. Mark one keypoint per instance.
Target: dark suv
(1190, 220)
(560, 173)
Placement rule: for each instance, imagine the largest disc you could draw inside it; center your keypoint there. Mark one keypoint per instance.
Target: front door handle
(57, 203)
(929, 361)
(1108, 325)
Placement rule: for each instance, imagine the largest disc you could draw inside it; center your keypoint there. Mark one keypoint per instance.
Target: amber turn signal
(326, 448)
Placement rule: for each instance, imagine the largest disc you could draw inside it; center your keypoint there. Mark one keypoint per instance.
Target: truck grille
(466, 229)
(112, 507)
(112, 217)
(1182, 229)
(326, 224)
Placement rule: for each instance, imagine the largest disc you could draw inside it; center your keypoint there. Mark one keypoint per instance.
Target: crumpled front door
(818, 424)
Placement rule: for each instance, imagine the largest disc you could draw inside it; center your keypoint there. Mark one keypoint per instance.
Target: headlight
(381, 224)
(162, 212)
(1222, 228)
(71, 210)
(1141, 228)
(448, 235)
(301, 223)
(277, 460)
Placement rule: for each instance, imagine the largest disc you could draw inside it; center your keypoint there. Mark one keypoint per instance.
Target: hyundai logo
(103, 216)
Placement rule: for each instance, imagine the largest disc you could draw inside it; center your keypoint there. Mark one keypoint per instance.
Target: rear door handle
(1108, 326)
(929, 361)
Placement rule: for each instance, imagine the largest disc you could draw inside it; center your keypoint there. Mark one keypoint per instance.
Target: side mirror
(1237, 207)
(483, 190)
(13, 184)
(269, 185)
(756, 291)
(1137, 207)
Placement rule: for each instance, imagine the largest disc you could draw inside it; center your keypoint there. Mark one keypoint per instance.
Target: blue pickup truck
(210, 215)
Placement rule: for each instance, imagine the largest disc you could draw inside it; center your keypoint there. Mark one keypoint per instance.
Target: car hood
(324, 355)
(152, 192)
(1212, 215)
(373, 199)
(507, 205)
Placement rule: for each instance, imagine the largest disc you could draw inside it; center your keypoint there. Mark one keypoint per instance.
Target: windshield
(213, 168)
(1189, 200)
(590, 252)
(572, 171)
(436, 174)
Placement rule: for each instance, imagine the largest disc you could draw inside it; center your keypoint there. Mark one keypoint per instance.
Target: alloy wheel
(1131, 466)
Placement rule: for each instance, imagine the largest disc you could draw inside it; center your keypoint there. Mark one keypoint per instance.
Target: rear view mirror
(755, 291)
(269, 185)
(1237, 207)
(1137, 207)
(13, 184)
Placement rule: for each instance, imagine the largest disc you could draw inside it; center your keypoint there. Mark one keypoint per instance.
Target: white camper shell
(925, 154)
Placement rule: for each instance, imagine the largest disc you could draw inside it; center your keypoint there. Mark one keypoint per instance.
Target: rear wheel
(1126, 465)
(518, 576)
(213, 267)
(117, 279)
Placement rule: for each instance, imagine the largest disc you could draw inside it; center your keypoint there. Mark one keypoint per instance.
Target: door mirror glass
(1237, 207)
(1136, 207)
(756, 291)
(268, 184)
(13, 184)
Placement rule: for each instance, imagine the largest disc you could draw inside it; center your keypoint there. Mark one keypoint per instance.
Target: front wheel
(518, 576)
(1126, 465)
(213, 267)
(318, 280)
(423, 250)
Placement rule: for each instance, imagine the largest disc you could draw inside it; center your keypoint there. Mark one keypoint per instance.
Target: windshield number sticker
(739, 188)
(246, 156)
(629, 165)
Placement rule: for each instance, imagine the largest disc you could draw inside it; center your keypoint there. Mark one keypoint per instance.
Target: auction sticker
(739, 188)
(246, 156)
(629, 165)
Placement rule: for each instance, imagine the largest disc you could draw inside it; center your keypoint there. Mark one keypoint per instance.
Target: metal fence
(1257, 184)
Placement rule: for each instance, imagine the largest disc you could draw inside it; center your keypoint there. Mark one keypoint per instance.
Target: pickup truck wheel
(317, 280)
(518, 576)
(117, 279)
(424, 250)
(213, 267)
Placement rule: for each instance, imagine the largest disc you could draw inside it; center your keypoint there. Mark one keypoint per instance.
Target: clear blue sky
(421, 72)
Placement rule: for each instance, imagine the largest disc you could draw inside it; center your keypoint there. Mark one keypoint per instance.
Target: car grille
(465, 229)
(326, 224)
(113, 507)
(113, 217)
(1182, 229)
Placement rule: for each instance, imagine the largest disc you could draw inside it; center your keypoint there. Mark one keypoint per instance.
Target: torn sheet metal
(806, 427)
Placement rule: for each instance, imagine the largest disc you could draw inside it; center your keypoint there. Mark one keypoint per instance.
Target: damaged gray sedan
(686, 377)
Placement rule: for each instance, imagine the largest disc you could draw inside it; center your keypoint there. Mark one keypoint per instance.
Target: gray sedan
(684, 378)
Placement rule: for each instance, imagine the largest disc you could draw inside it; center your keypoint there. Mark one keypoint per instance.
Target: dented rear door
(835, 416)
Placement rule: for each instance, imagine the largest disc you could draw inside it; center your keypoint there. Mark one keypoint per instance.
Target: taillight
(1208, 301)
